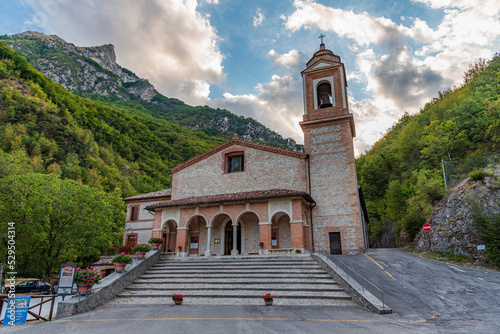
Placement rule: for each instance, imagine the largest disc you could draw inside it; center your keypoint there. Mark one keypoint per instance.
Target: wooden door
(193, 244)
(335, 244)
(275, 238)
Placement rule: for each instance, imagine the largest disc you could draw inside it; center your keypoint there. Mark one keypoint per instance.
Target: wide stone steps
(244, 293)
(293, 280)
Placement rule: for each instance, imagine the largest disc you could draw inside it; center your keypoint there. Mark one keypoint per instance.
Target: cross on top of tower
(321, 36)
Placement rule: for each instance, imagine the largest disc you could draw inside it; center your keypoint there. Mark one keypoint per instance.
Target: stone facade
(281, 201)
(262, 170)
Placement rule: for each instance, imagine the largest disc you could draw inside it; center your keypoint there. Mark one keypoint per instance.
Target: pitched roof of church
(154, 194)
(236, 197)
(236, 141)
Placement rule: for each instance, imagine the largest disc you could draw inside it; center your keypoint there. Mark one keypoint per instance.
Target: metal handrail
(324, 251)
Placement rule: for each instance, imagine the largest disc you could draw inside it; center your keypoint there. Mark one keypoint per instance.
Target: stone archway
(249, 222)
(195, 225)
(169, 236)
(281, 237)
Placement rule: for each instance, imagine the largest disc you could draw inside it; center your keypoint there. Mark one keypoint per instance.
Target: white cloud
(293, 61)
(415, 61)
(167, 42)
(258, 18)
(277, 104)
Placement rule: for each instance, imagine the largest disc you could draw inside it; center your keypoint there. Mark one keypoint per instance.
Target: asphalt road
(455, 297)
(145, 319)
(427, 297)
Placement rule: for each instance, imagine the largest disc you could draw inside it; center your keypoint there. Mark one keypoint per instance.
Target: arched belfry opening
(324, 94)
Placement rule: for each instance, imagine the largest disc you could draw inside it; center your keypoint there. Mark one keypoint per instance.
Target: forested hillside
(86, 141)
(93, 72)
(402, 176)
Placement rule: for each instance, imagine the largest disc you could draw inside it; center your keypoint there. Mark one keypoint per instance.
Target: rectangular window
(235, 163)
(134, 213)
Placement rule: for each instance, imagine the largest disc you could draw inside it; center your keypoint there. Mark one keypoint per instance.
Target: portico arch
(219, 223)
(249, 221)
(280, 231)
(169, 236)
(194, 227)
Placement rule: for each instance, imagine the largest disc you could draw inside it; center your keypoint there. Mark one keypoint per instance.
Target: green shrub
(490, 226)
(478, 174)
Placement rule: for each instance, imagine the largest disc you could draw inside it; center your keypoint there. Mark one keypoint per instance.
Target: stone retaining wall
(107, 289)
(354, 289)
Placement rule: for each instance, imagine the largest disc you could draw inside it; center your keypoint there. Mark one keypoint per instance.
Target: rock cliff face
(452, 220)
(91, 71)
(84, 70)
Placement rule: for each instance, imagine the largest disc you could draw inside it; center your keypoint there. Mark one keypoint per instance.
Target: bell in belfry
(325, 102)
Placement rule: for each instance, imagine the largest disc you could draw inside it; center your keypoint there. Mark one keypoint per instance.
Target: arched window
(324, 94)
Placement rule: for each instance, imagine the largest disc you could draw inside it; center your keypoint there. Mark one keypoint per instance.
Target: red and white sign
(427, 227)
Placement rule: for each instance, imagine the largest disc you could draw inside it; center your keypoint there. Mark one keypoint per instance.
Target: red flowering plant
(268, 298)
(88, 275)
(110, 250)
(127, 249)
(176, 297)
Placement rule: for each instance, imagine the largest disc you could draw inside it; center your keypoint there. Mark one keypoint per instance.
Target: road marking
(375, 262)
(482, 279)
(250, 319)
(435, 315)
(390, 275)
(457, 269)
(378, 264)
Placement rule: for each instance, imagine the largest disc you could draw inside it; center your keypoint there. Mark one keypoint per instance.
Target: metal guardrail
(346, 267)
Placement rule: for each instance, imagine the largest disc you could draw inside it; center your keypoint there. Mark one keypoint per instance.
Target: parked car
(32, 286)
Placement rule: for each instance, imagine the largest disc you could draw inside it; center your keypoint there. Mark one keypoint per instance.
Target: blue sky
(246, 56)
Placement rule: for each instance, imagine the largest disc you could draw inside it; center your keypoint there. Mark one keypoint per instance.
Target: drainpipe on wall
(311, 206)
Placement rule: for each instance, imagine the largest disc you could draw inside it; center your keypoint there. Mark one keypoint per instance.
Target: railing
(50, 298)
(345, 267)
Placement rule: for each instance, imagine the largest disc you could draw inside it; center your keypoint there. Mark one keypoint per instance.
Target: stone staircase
(236, 280)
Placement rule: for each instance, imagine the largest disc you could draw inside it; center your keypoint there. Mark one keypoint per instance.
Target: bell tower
(329, 129)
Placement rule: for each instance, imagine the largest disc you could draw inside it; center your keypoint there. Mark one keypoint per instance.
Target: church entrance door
(335, 244)
(228, 247)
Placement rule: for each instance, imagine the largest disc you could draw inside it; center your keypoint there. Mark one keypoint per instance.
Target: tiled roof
(240, 143)
(154, 194)
(236, 197)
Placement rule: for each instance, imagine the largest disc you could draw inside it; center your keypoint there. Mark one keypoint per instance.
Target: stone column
(208, 252)
(234, 251)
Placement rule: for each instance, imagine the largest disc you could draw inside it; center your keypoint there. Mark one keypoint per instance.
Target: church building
(250, 199)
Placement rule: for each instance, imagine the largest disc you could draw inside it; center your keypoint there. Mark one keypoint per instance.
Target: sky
(246, 55)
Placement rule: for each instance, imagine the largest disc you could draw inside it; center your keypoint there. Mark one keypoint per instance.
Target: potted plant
(180, 248)
(86, 278)
(268, 299)
(141, 250)
(298, 251)
(177, 298)
(155, 243)
(120, 261)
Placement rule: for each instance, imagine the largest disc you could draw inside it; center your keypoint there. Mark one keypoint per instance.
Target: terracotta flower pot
(178, 302)
(268, 303)
(120, 267)
(84, 287)
(155, 246)
(141, 255)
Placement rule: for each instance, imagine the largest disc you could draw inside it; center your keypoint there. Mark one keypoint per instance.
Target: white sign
(194, 245)
(481, 247)
(274, 242)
